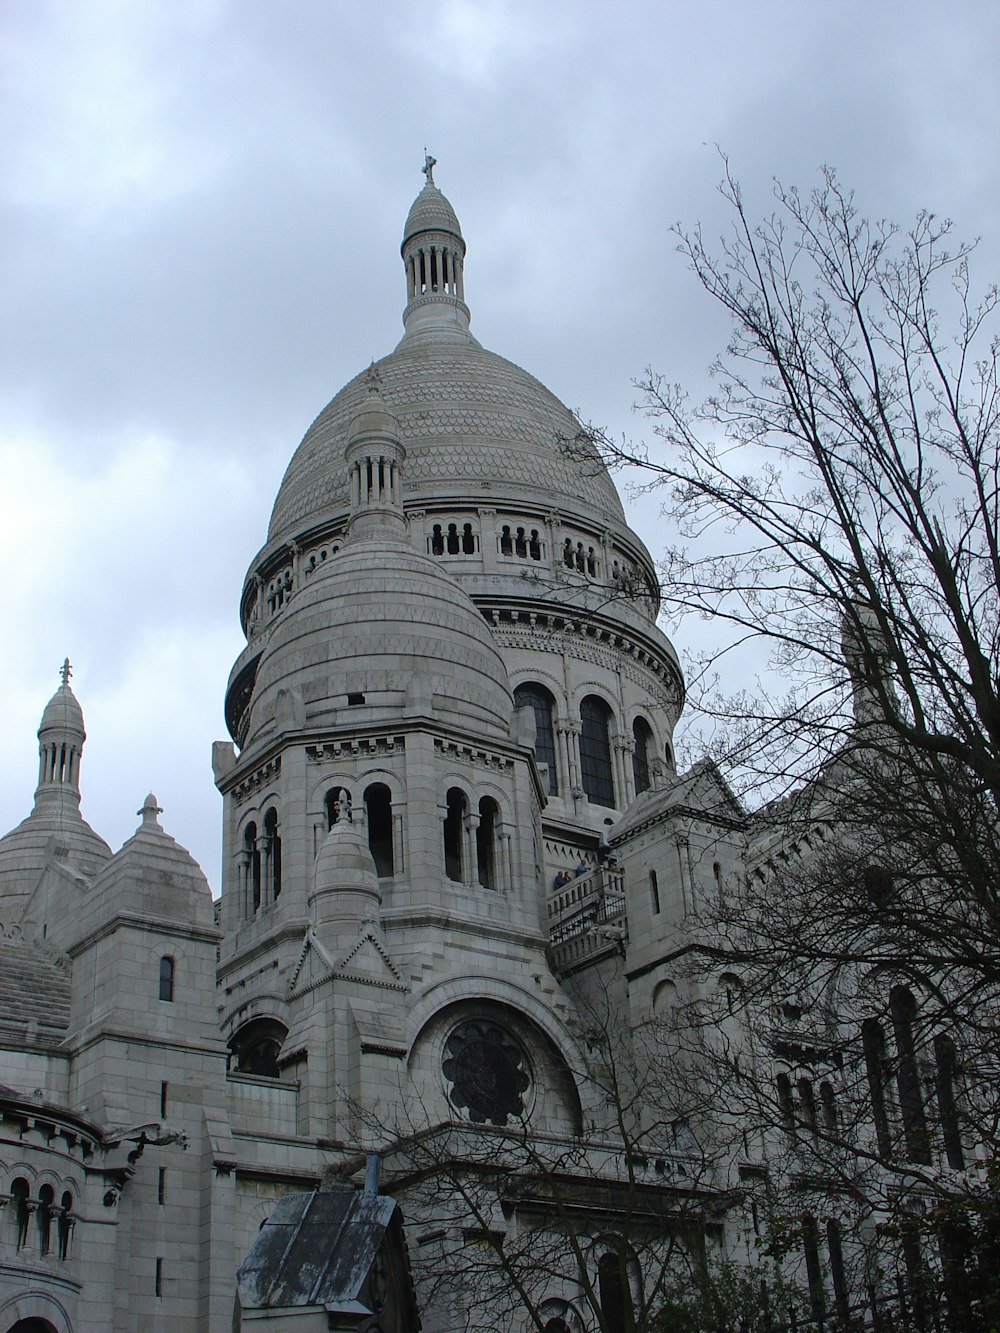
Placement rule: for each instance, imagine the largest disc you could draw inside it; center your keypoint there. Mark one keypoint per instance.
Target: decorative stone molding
(469, 754)
(355, 748)
(254, 781)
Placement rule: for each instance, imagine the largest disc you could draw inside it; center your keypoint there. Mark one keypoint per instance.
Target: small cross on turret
(428, 168)
(65, 671)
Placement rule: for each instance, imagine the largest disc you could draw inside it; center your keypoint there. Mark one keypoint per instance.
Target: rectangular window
(161, 1186)
(163, 1099)
(158, 1279)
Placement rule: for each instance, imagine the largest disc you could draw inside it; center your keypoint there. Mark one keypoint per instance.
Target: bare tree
(837, 499)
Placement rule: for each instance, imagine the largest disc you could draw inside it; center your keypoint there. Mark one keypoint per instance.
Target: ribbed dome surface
(376, 617)
(472, 423)
(63, 713)
(430, 211)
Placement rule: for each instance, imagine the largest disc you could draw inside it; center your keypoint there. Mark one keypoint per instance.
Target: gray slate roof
(315, 1249)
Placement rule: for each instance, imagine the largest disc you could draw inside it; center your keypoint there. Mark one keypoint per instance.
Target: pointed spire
(433, 253)
(61, 736)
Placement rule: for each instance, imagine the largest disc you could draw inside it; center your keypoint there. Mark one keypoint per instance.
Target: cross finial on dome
(65, 672)
(428, 168)
(374, 379)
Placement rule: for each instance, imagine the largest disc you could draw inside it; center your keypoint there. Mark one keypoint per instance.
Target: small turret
(60, 743)
(345, 886)
(375, 455)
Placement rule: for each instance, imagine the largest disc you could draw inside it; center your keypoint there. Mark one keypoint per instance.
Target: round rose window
(487, 1071)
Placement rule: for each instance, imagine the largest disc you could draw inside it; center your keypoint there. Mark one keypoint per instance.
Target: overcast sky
(201, 206)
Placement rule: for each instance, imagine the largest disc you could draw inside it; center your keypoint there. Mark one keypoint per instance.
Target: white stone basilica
(450, 798)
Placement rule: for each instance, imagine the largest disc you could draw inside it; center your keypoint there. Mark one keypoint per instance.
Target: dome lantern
(433, 251)
(60, 741)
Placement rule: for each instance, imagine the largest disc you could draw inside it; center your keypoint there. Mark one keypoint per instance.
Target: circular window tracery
(487, 1070)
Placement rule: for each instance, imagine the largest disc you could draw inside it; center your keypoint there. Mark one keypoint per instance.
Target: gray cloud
(201, 210)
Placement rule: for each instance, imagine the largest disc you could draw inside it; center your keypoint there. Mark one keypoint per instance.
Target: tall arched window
(947, 1069)
(613, 1291)
(642, 737)
(252, 849)
(378, 810)
(486, 843)
(873, 1041)
(22, 1213)
(454, 834)
(46, 1198)
(814, 1273)
(166, 978)
(65, 1224)
(542, 705)
(273, 842)
(596, 772)
(903, 1008)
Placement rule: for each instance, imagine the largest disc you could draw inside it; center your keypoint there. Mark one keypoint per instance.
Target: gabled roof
(315, 1249)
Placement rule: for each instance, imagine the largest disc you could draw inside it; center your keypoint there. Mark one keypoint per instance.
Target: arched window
(273, 843)
(814, 1273)
(378, 809)
(947, 1069)
(873, 1041)
(786, 1104)
(46, 1198)
(256, 1047)
(452, 543)
(437, 540)
(166, 978)
(542, 705)
(642, 737)
(613, 1290)
(486, 843)
(807, 1101)
(506, 542)
(65, 1224)
(535, 545)
(595, 751)
(903, 1008)
(22, 1213)
(338, 806)
(251, 848)
(836, 1251)
(521, 544)
(828, 1103)
(454, 834)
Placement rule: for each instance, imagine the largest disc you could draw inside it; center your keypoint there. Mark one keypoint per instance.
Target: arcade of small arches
(42, 1222)
(548, 542)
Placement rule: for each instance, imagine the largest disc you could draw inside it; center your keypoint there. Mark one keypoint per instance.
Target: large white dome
(474, 424)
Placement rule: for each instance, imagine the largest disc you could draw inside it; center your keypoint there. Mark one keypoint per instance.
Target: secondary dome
(383, 629)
